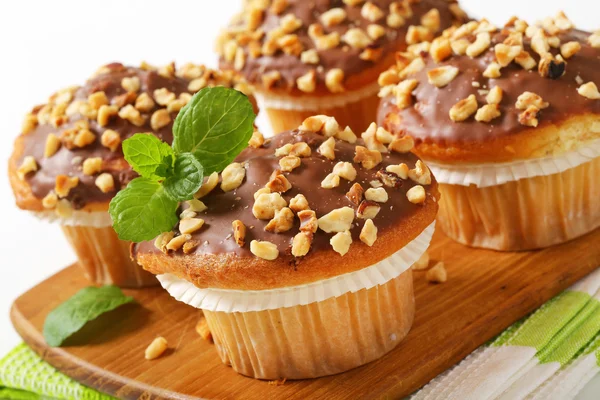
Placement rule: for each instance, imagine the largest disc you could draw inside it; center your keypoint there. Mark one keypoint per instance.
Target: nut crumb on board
(156, 348)
(422, 263)
(278, 382)
(203, 330)
(437, 274)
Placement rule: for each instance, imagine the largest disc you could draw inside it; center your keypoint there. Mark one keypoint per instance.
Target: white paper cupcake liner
(224, 300)
(314, 103)
(485, 175)
(94, 219)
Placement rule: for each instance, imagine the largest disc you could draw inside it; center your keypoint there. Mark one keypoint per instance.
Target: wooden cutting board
(485, 293)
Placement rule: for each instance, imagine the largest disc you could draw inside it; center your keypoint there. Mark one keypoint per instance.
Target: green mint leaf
(215, 126)
(186, 178)
(142, 211)
(84, 306)
(148, 155)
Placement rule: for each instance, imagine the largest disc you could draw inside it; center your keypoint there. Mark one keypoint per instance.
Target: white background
(47, 45)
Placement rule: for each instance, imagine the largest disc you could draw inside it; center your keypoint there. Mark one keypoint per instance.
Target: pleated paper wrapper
(494, 174)
(223, 300)
(93, 219)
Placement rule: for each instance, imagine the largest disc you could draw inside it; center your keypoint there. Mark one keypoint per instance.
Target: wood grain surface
(485, 293)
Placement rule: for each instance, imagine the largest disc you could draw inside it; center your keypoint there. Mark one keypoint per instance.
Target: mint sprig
(86, 305)
(208, 133)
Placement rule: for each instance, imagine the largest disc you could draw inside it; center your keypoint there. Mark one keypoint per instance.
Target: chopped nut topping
(144, 102)
(395, 21)
(260, 191)
(50, 200)
(527, 99)
(375, 31)
(111, 139)
(257, 139)
(156, 348)
(403, 92)
(98, 99)
(459, 47)
(481, 44)
(28, 165)
(308, 221)
(345, 170)
(190, 225)
(487, 113)
(346, 135)
(289, 163)
(320, 124)
(594, 40)
(105, 182)
(442, 76)
(132, 115)
(163, 96)
(310, 57)
(64, 184)
(131, 83)
(327, 149)
(355, 194)
(300, 149)
(52, 145)
(388, 77)
(589, 90)
(190, 246)
(494, 96)
(160, 119)
(420, 173)
(550, 67)
(414, 67)
(299, 203)
(403, 144)
(437, 274)
(239, 232)
(269, 79)
(367, 209)
(506, 54)
(440, 49)
(283, 221)
(187, 213)
(418, 34)
(422, 263)
(338, 220)
(211, 182)
(383, 136)
(333, 17)
(378, 195)
(105, 112)
(399, 170)
(368, 233)
(92, 165)
(371, 12)
(279, 184)
(331, 181)
(416, 194)
(307, 82)
(390, 178)
(266, 205)
(371, 54)
(356, 38)
(265, 250)
(64, 209)
(176, 243)
(492, 71)
(301, 244)
(431, 20)
(29, 123)
(529, 116)
(463, 109)
(369, 159)
(334, 79)
(196, 205)
(290, 23)
(569, 49)
(341, 242)
(232, 177)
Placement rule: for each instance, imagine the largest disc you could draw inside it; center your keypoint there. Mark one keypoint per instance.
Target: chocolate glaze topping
(69, 161)
(428, 120)
(215, 237)
(342, 56)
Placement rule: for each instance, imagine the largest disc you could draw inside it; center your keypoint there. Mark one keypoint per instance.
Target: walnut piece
(589, 90)
(330, 181)
(264, 249)
(368, 233)
(368, 209)
(345, 170)
(327, 149)
(283, 221)
(64, 184)
(416, 194)
(369, 159)
(437, 274)
(355, 194)
(209, 184)
(28, 165)
(338, 220)
(105, 182)
(487, 113)
(299, 203)
(239, 232)
(266, 205)
(92, 165)
(402, 145)
(463, 109)
(422, 263)
(308, 221)
(378, 195)
(301, 244)
(156, 348)
(399, 170)
(442, 76)
(279, 184)
(232, 176)
(190, 225)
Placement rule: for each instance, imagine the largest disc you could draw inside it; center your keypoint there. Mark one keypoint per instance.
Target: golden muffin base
(317, 339)
(358, 114)
(526, 214)
(105, 259)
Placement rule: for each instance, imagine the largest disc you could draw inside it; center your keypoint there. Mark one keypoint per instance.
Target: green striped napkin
(557, 346)
(25, 376)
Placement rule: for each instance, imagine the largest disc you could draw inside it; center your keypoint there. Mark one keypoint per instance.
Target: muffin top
(69, 154)
(326, 46)
(309, 204)
(482, 94)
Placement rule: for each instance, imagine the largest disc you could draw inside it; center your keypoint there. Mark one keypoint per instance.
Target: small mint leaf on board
(142, 211)
(215, 126)
(86, 305)
(186, 178)
(148, 155)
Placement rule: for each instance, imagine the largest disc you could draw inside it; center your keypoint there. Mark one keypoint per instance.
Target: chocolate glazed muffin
(324, 56)
(325, 228)
(67, 164)
(509, 121)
